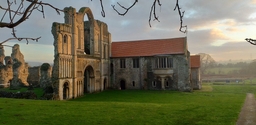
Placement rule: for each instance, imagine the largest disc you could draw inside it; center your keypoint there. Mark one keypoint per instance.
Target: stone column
(162, 83)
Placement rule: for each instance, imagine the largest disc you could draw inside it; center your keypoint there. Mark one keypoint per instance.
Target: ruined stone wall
(45, 75)
(5, 70)
(63, 65)
(2, 56)
(134, 77)
(34, 76)
(105, 49)
(79, 45)
(20, 68)
(83, 62)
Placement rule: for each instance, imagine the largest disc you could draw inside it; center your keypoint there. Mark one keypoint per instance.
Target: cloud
(214, 27)
(235, 29)
(206, 12)
(218, 34)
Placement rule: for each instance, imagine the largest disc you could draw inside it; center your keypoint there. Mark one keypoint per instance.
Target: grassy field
(213, 105)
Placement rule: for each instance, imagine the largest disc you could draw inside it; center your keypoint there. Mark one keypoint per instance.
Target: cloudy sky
(216, 27)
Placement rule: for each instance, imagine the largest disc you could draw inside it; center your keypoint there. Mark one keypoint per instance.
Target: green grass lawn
(213, 105)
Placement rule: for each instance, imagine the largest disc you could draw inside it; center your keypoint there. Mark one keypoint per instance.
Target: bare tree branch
(153, 10)
(34, 5)
(251, 41)
(22, 19)
(181, 14)
(24, 15)
(20, 39)
(102, 9)
(182, 29)
(126, 9)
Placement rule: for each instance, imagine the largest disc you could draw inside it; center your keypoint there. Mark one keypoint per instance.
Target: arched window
(133, 83)
(65, 91)
(65, 39)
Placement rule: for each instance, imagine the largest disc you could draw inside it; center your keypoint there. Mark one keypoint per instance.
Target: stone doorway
(122, 85)
(88, 79)
(65, 91)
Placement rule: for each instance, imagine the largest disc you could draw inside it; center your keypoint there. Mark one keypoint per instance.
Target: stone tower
(81, 54)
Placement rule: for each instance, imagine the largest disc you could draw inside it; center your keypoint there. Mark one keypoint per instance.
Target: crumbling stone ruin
(6, 73)
(81, 55)
(40, 76)
(14, 72)
(34, 76)
(20, 68)
(45, 75)
(5, 70)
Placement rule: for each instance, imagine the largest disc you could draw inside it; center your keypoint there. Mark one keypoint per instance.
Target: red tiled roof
(195, 61)
(148, 47)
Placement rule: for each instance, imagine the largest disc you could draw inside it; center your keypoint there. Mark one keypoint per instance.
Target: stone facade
(129, 77)
(81, 55)
(138, 67)
(147, 76)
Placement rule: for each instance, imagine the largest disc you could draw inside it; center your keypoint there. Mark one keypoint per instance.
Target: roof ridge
(143, 40)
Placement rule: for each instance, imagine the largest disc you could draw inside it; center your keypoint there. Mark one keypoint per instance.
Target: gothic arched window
(65, 39)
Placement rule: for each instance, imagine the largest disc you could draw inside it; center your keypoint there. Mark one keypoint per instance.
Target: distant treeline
(239, 68)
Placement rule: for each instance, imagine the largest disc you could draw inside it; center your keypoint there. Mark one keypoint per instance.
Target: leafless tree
(18, 11)
(206, 62)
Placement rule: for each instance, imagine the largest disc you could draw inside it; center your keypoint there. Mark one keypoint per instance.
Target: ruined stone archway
(65, 90)
(88, 79)
(89, 30)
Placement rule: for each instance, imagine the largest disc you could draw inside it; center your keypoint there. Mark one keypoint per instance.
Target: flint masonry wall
(134, 77)
(144, 76)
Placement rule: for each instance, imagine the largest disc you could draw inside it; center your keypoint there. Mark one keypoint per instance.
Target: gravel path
(247, 115)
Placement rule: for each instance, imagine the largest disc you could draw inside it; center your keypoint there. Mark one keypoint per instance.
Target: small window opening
(154, 83)
(167, 84)
(133, 83)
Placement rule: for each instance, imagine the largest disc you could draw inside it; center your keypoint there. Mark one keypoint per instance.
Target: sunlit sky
(216, 27)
